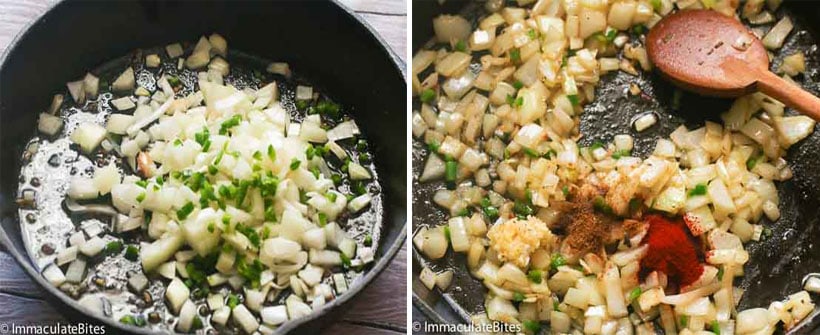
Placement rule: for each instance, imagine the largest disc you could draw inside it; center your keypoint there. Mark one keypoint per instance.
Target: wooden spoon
(713, 54)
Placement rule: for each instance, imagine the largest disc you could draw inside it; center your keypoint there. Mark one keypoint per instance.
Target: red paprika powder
(670, 251)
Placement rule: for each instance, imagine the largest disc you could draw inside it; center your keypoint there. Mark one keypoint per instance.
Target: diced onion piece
(167, 270)
(76, 271)
(456, 87)
(186, 316)
(444, 279)
(152, 60)
(221, 315)
(118, 123)
(219, 45)
(66, 255)
(623, 142)
(197, 60)
(459, 238)
(793, 129)
(56, 103)
(174, 50)
(177, 294)
(482, 39)
(159, 251)
(775, 37)
(422, 60)
(751, 320)
(343, 130)
(533, 104)
(428, 278)
(433, 168)
(274, 315)
(54, 275)
(358, 172)
(254, 299)
(685, 298)
(591, 21)
(75, 88)
(499, 309)
(812, 284)
(450, 28)
(245, 319)
(124, 103)
(614, 292)
(279, 68)
(794, 64)
(435, 243)
(359, 203)
(88, 136)
(296, 307)
(82, 188)
(150, 118)
(645, 121)
(219, 65)
(49, 124)
(304, 92)
(105, 178)
(91, 85)
(721, 199)
(453, 64)
(125, 81)
(620, 15)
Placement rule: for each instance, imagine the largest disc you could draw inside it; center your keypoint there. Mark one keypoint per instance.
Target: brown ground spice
(586, 230)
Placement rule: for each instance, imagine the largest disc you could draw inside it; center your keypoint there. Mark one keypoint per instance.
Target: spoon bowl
(712, 54)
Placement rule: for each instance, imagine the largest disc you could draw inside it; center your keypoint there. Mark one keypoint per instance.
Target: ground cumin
(586, 230)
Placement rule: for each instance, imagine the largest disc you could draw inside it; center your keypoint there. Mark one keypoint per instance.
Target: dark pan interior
(322, 41)
(777, 264)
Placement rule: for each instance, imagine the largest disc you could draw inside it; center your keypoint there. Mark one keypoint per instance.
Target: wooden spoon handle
(790, 94)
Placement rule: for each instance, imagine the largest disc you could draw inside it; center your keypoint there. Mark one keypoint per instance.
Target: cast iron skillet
(777, 265)
(322, 40)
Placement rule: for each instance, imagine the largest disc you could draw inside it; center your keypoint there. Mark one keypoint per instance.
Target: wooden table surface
(378, 309)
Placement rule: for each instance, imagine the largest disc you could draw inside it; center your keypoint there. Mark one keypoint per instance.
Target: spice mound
(671, 251)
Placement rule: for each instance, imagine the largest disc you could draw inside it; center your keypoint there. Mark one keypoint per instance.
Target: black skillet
(778, 264)
(322, 40)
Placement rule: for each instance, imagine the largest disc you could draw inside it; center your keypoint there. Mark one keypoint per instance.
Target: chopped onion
(245, 319)
(359, 203)
(54, 275)
(76, 271)
(645, 121)
(450, 28)
(49, 124)
(152, 60)
(91, 85)
(125, 81)
(358, 172)
(793, 129)
(343, 130)
(77, 91)
(433, 168)
(93, 246)
(66, 255)
(174, 50)
(296, 308)
(774, 39)
(274, 315)
(453, 64)
(280, 68)
(435, 243)
(122, 104)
